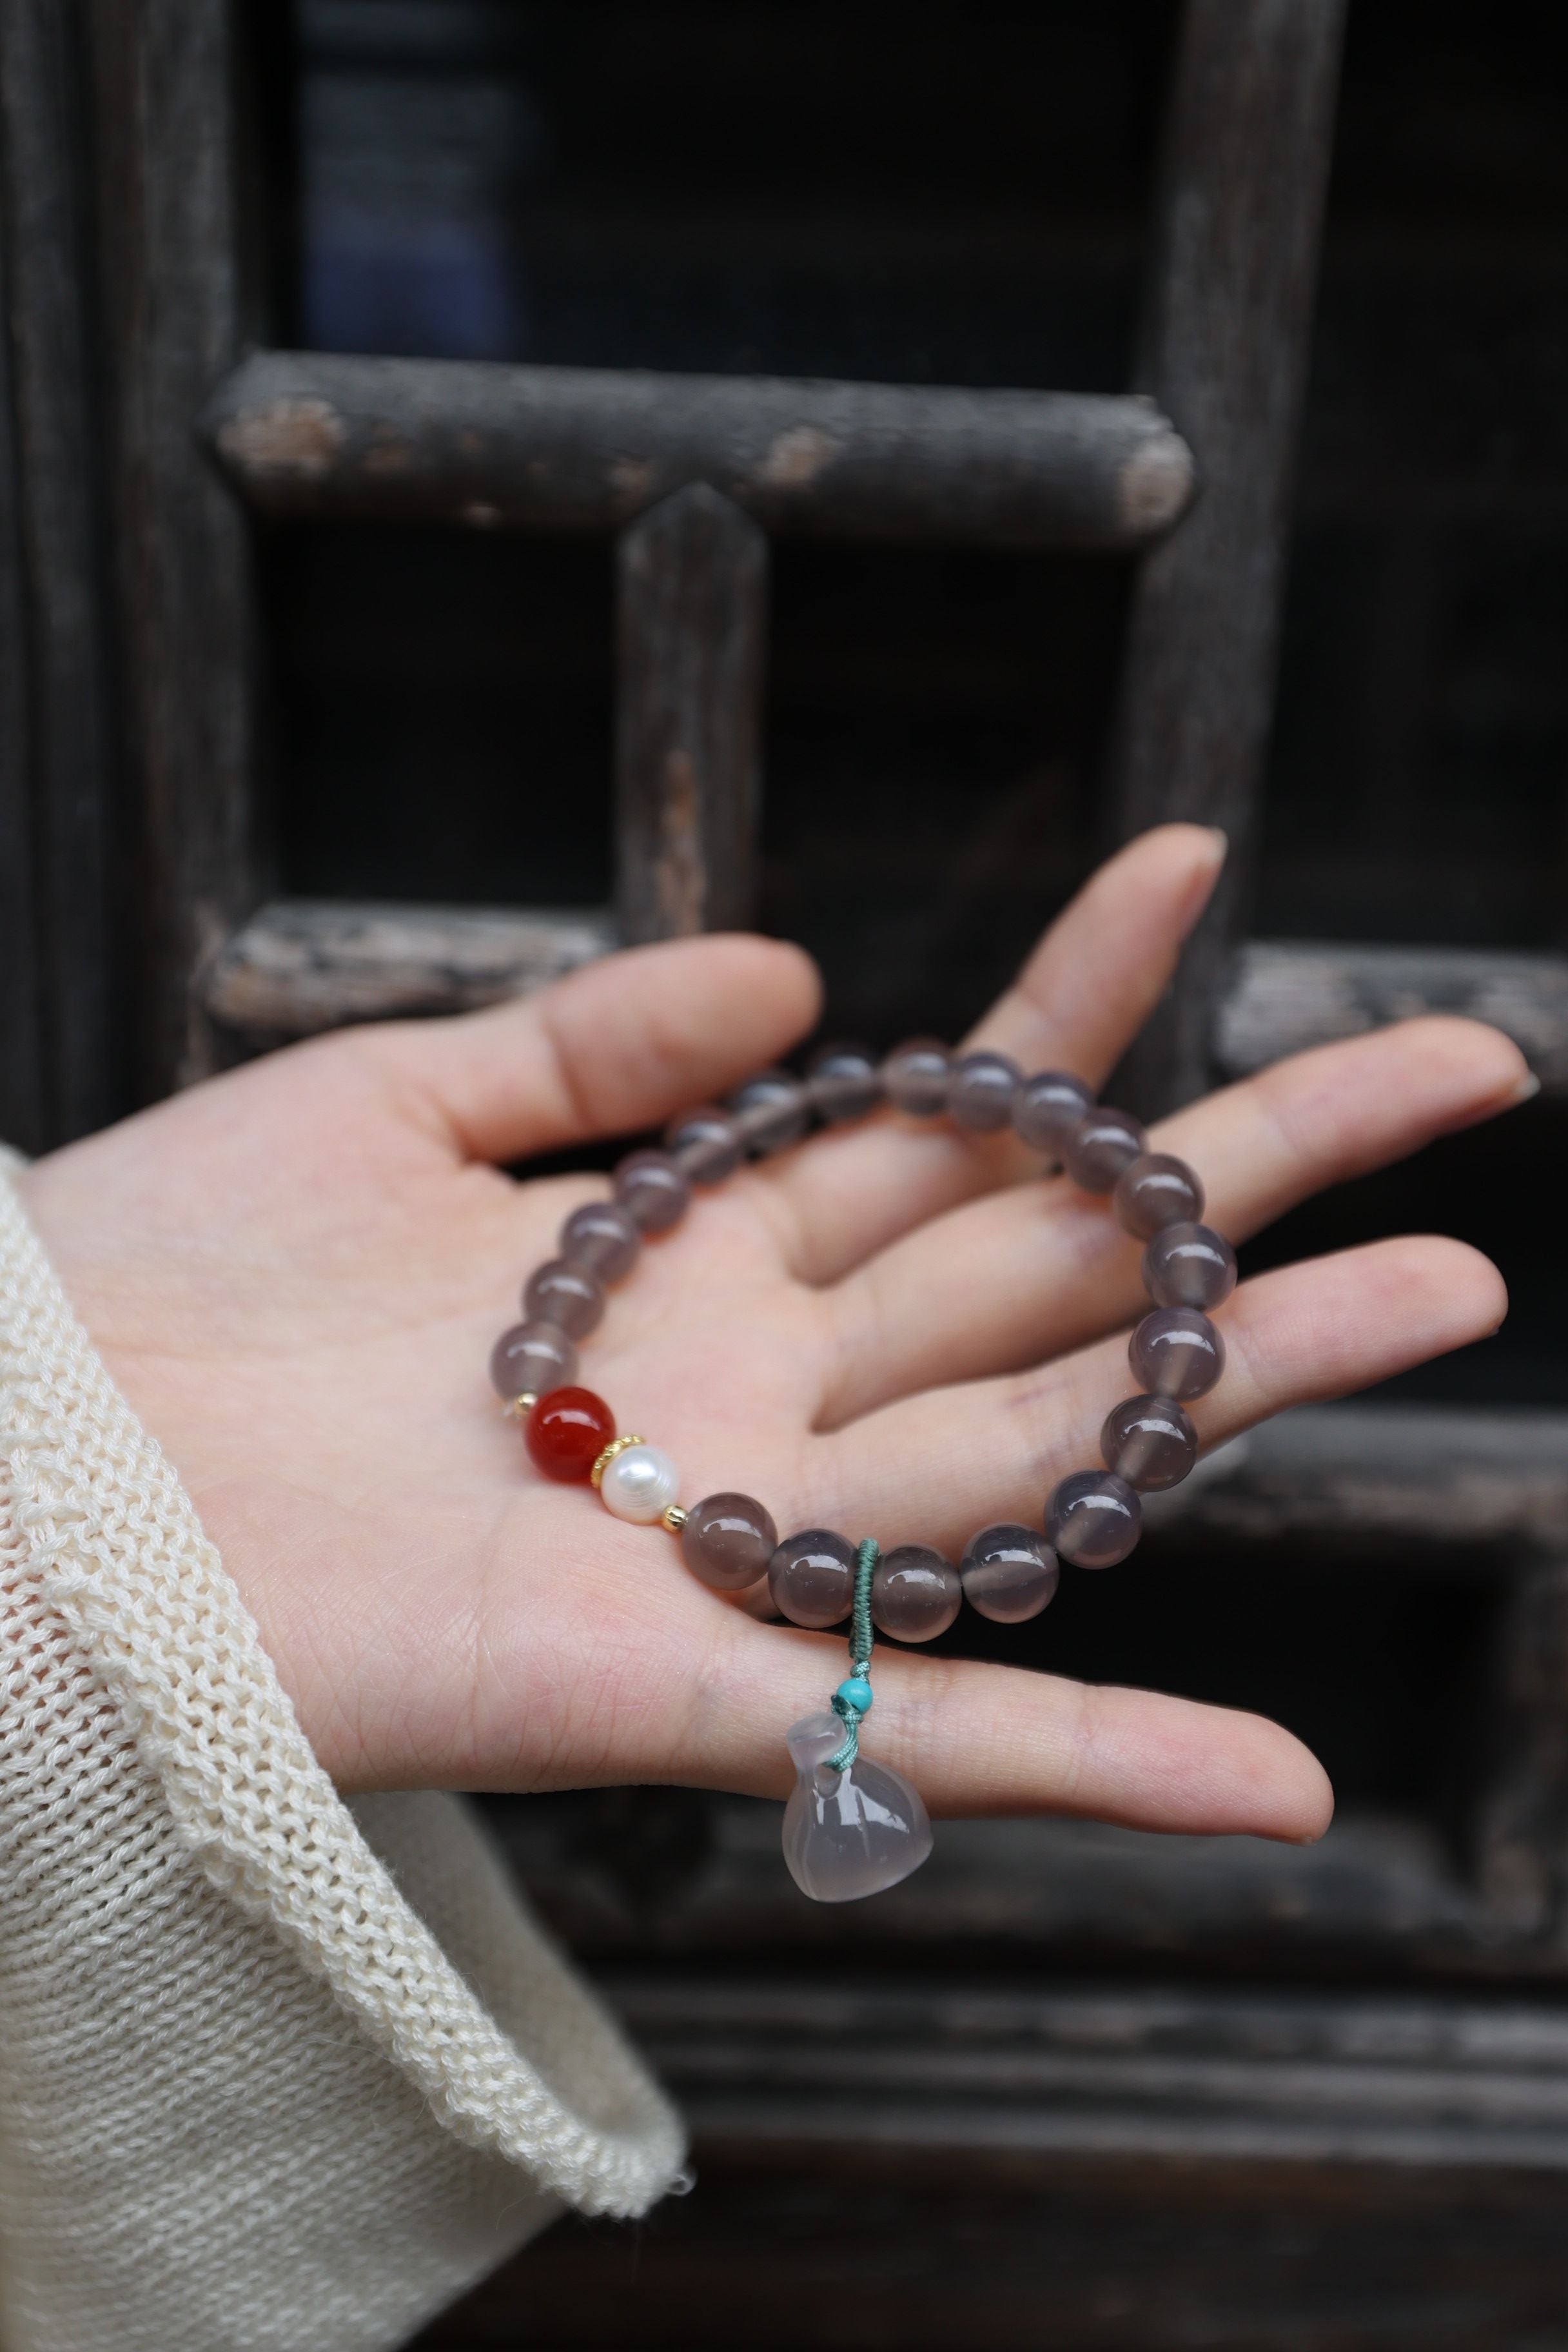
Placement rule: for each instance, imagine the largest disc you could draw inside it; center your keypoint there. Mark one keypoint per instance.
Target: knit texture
(275, 2073)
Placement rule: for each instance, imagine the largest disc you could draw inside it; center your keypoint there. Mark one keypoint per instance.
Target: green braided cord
(861, 1637)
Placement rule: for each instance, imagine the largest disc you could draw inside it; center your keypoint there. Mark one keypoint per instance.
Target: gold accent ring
(616, 1445)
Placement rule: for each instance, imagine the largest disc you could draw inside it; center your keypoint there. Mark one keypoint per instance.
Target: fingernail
(1221, 840)
(1528, 1087)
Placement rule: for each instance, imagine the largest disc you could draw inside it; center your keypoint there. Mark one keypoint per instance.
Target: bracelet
(853, 1826)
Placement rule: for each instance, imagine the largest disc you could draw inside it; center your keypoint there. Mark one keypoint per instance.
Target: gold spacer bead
(616, 1445)
(515, 1407)
(675, 1518)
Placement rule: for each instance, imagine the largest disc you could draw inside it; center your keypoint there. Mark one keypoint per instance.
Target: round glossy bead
(915, 1593)
(1049, 1108)
(1149, 1441)
(915, 1075)
(571, 1297)
(812, 1577)
(705, 1145)
(1176, 1352)
(1158, 1189)
(639, 1485)
(652, 1191)
(567, 1431)
(1008, 1574)
(981, 1090)
(844, 1082)
(1093, 1519)
(856, 1692)
(770, 1111)
(727, 1541)
(532, 1358)
(602, 1236)
(1189, 1266)
(1102, 1144)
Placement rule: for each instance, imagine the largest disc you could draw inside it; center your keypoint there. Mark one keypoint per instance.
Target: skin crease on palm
(295, 1273)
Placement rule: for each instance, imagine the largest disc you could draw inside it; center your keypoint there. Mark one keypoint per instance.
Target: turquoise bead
(856, 1693)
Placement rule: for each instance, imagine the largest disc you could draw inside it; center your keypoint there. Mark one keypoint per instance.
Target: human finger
(1029, 1271)
(935, 1466)
(614, 1046)
(1078, 1003)
(979, 1738)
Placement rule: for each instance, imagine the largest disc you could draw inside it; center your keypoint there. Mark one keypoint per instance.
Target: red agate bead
(567, 1431)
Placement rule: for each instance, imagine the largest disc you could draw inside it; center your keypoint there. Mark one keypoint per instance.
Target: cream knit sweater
(275, 2074)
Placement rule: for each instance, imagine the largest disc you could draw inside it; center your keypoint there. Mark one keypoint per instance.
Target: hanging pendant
(851, 1832)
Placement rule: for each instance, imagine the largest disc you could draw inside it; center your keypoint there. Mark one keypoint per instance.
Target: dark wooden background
(1071, 2090)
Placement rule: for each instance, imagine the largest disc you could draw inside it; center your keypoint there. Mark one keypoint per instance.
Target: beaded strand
(1009, 1572)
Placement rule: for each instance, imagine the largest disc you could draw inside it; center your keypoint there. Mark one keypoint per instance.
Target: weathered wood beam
(1223, 351)
(1470, 1486)
(164, 77)
(61, 1058)
(301, 965)
(304, 964)
(692, 639)
(1286, 994)
(588, 449)
(901, 2071)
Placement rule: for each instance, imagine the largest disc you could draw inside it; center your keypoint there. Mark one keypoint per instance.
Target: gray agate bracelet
(853, 1826)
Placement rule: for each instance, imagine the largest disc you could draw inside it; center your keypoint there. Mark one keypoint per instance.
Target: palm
(296, 1274)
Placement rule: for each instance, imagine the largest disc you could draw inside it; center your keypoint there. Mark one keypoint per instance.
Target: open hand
(296, 1271)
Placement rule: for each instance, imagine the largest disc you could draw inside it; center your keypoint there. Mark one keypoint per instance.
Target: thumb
(613, 1048)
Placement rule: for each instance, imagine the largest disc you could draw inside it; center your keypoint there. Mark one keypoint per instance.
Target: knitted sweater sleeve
(275, 2072)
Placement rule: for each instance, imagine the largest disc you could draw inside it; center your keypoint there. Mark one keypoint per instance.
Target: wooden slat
(587, 449)
(1467, 1484)
(685, 1875)
(304, 965)
(300, 965)
(854, 2248)
(691, 635)
(164, 75)
(24, 1117)
(1187, 2073)
(1225, 345)
(59, 1065)
(1286, 994)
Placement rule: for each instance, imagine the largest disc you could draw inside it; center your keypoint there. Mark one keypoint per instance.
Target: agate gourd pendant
(852, 1832)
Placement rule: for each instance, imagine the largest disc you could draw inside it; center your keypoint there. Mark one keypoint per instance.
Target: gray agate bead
(770, 1111)
(812, 1577)
(1008, 1574)
(727, 1541)
(1049, 1108)
(602, 1236)
(981, 1090)
(705, 1145)
(843, 1082)
(570, 1297)
(1176, 1352)
(1149, 1441)
(1189, 1266)
(915, 1077)
(1102, 1144)
(1093, 1519)
(531, 1358)
(652, 1191)
(915, 1593)
(1156, 1191)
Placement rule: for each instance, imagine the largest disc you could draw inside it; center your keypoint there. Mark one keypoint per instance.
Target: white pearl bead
(640, 1484)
